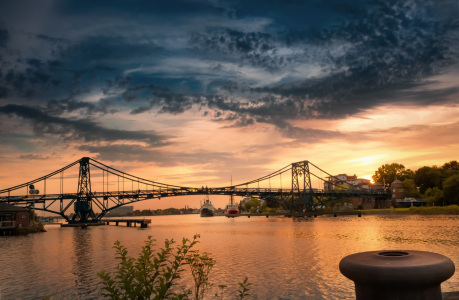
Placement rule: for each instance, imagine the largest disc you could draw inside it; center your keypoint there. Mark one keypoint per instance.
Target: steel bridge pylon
(302, 198)
(83, 204)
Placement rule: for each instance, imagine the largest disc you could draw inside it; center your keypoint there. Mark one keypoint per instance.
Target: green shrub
(154, 275)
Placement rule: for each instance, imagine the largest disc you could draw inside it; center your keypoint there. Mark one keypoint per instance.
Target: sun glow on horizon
(366, 160)
(369, 178)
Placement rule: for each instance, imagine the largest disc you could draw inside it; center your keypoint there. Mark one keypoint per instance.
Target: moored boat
(232, 209)
(207, 209)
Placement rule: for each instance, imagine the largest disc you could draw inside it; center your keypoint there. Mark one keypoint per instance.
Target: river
(283, 258)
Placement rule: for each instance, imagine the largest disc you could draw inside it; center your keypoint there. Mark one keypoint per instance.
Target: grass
(426, 210)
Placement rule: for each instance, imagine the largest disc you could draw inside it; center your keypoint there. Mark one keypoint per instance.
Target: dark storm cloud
(172, 8)
(36, 157)
(144, 154)
(58, 107)
(81, 129)
(390, 48)
(256, 48)
(101, 50)
(77, 68)
(28, 82)
(4, 35)
(364, 53)
(160, 98)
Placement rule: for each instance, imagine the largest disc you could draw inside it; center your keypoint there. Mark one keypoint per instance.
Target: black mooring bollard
(397, 274)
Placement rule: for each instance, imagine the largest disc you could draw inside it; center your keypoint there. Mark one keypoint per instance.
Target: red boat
(232, 209)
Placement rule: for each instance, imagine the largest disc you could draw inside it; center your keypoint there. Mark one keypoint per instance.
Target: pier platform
(129, 222)
(81, 224)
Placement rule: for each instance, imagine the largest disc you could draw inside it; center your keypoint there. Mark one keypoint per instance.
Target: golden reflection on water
(284, 259)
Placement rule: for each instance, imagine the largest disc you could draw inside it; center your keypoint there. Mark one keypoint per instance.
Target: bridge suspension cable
(273, 174)
(39, 179)
(130, 177)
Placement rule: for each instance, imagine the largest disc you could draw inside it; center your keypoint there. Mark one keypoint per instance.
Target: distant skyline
(194, 92)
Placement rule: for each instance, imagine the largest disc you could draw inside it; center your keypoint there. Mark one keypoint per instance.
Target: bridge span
(91, 206)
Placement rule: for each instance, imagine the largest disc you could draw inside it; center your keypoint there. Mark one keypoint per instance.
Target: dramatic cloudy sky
(194, 91)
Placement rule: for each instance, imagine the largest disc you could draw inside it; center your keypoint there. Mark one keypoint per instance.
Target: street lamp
(33, 192)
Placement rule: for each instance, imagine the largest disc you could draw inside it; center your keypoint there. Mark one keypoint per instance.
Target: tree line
(439, 185)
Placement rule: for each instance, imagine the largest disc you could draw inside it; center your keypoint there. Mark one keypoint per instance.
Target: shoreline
(422, 210)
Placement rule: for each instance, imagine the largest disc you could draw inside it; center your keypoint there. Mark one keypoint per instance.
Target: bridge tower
(302, 199)
(83, 204)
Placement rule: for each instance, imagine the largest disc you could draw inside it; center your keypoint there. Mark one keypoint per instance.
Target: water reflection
(284, 259)
(82, 260)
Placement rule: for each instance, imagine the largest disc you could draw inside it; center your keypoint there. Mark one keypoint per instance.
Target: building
(13, 217)
(377, 186)
(398, 190)
(121, 211)
(344, 179)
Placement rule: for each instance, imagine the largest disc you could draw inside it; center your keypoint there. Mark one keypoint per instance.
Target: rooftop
(4, 207)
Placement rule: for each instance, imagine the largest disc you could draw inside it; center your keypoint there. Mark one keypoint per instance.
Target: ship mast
(231, 196)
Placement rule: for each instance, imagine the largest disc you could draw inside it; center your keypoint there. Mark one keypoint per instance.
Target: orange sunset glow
(235, 99)
(229, 149)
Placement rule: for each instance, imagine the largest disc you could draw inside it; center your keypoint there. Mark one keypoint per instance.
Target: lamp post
(33, 192)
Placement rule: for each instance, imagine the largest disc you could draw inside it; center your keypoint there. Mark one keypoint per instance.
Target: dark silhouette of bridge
(300, 196)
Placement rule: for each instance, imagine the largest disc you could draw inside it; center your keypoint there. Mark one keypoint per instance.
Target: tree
(387, 173)
(434, 195)
(452, 165)
(410, 188)
(449, 169)
(252, 205)
(451, 189)
(427, 177)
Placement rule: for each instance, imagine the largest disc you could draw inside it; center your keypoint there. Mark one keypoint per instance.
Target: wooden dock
(129, 222)
(82, 225)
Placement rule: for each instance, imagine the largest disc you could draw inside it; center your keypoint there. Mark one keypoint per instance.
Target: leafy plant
(149, 276)
(200, 265)
(244, 291)
(222, 288)
(155, 275)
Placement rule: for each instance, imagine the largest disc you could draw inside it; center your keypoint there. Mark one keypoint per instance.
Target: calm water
(284, 259)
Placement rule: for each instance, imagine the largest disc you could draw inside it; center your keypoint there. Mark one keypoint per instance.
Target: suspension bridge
(120, 188)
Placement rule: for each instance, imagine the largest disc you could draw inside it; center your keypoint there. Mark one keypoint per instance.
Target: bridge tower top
(84, 179)
(83, 204)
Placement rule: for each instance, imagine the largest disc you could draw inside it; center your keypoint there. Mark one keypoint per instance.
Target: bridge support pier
(302, 199)
(83, 204)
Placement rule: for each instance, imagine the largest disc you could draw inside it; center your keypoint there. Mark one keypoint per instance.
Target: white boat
(207, 209)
